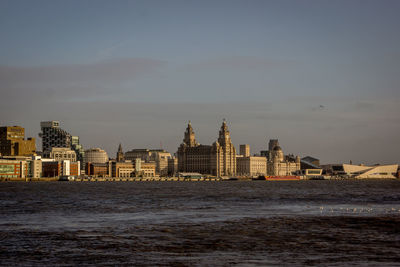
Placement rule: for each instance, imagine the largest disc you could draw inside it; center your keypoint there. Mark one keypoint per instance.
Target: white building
(278, 164)
(62, 153)
(377, 171)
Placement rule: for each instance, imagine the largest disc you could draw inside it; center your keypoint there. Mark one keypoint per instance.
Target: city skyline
(321, 76)
(127, 149)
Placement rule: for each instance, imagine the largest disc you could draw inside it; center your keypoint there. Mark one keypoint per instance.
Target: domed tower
(277, 154)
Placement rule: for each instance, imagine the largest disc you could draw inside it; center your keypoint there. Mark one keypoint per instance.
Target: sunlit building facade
(218, 159)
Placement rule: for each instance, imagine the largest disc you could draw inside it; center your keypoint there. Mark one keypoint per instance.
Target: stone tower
(120, 154)
(226, 153)
(189, 138)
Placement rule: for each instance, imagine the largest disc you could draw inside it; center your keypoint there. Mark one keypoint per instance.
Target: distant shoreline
(175, 179)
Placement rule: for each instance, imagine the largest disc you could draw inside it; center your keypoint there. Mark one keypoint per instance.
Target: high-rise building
(13, 143)
(218, 159)
(78, 148)
(53, 136)
(172, 166)
(245, 150)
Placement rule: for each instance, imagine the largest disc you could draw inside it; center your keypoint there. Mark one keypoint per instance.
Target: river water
(256, 223)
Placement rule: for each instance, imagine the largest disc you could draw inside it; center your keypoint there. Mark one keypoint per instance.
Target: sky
(321, 76)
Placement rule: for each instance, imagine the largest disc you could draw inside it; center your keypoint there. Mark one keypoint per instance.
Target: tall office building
(218, 159)
(13, 143)
(78, 148)
(53, 136)
(245, 150)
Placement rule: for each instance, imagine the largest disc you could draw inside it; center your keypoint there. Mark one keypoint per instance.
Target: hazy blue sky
(321, 76)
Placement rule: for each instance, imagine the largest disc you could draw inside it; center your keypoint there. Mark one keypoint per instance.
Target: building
(158, 156)
(251, 166)
(161, 159)
(143, 154)
(53, 136)
(78, 148)
(278, 164)
(271, 145)
(31, 166)
(51, 168)
(60, 168)
(35, 167)
(218, 159)
(172, 166)
(13, 143)
(137, 168)
(147, 169)
(312, 160)
(245, 150)
(95, 155)
(123, 169)
(362, 171)
(97, 169)
(62, 153)
(13, 169)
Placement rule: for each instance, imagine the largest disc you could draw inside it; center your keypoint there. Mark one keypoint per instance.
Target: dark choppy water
(200, 223)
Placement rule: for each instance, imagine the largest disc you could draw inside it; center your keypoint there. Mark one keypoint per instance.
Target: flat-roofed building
(159, 156)
(97, 169)
(172, 166)
(123, 169)
(60, 168)
(137, 168)
(13, 143)
(35, 165)
(147, 169)
(13, 168)
(245, 150)
(62, 153)
(251, 166)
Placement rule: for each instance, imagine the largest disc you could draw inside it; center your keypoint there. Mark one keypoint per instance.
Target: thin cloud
(104, 71)
(240, 62)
